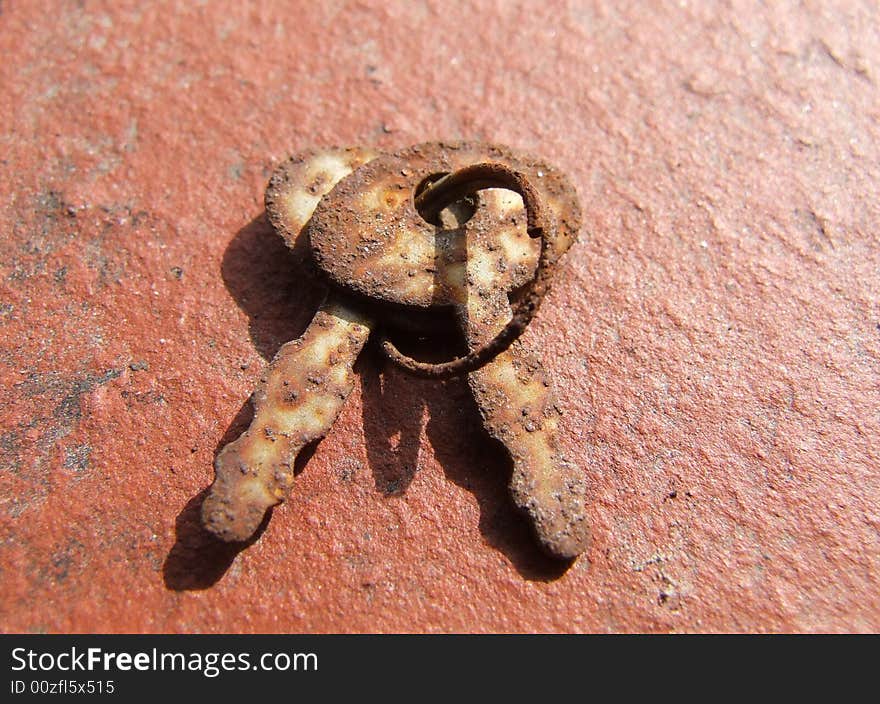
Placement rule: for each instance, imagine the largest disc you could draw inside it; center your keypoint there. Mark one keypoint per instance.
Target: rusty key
(309, 379)
(400, 238)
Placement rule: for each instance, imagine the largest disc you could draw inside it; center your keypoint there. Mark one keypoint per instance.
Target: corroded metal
(539, 224)
(370, 240)
(406, 237)
(294, 404)
(309, 379)
(519, 409)
(298, 184)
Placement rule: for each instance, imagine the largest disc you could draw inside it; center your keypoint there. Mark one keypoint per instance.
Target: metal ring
(539, 223)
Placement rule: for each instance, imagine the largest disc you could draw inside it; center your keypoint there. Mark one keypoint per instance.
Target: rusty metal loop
(539, 223)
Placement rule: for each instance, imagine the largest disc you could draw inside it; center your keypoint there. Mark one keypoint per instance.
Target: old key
(464, 228)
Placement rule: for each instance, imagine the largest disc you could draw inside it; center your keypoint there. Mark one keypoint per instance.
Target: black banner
(227, 666)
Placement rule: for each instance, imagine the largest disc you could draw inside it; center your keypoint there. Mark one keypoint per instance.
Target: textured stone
(714, 336)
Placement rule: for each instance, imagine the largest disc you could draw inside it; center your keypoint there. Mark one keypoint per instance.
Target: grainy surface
(714, 335)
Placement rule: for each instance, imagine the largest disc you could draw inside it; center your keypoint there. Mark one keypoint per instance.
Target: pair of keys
(434, 238)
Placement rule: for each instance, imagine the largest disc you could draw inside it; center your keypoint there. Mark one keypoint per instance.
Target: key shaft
(519, 409)
(295, 404)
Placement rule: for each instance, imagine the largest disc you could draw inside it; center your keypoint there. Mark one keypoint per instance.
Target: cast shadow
(198, 560)
(394, 405)
(273, 284)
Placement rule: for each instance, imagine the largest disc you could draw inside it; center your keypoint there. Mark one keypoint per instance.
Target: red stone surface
(715, 335)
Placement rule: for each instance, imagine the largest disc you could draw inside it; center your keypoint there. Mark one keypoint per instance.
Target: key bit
(414, 239)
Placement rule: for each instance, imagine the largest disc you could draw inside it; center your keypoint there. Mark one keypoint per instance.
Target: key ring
(539, 223)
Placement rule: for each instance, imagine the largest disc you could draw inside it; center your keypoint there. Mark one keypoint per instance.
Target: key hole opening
(460, 211)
